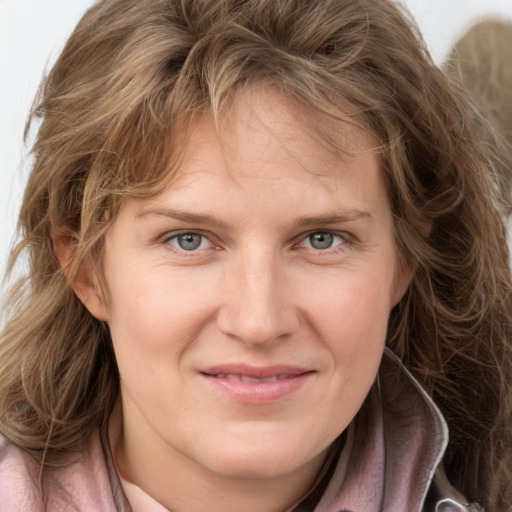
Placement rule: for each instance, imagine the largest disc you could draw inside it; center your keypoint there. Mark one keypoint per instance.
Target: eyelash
(343, 242)
(168, 239)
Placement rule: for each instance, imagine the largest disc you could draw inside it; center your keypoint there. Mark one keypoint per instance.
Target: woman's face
(250, 300)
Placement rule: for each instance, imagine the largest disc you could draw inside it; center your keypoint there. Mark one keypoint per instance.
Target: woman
(238, 212)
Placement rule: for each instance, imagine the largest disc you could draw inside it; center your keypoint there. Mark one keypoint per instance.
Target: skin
(257, 290)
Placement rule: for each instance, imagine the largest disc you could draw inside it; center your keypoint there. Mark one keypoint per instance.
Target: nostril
(257, 326)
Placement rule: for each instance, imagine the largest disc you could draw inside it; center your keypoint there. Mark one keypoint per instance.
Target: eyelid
(171, 235)
(346, 242)
(344, 235)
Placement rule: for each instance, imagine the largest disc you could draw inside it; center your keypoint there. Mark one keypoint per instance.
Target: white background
(33, 31)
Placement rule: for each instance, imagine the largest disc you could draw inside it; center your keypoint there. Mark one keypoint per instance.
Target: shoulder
(17, 486)
(81, 485)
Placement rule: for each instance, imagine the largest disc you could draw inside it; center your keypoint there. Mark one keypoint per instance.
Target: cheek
(157, 316)
(154, 320)
(352, 321)
(352, 311)
(157, 308)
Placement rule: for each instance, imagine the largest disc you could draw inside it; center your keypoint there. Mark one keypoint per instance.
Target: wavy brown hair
(113, 112)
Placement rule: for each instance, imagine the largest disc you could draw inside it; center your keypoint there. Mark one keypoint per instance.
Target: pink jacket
(391, 462)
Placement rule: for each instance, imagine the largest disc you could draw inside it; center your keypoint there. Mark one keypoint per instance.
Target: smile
(256, 386)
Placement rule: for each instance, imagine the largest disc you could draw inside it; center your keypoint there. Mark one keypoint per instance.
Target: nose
(258, 306)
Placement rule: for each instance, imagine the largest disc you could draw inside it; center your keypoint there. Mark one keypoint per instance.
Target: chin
(261, 459)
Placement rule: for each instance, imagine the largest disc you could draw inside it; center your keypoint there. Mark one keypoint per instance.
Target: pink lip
(235, 381)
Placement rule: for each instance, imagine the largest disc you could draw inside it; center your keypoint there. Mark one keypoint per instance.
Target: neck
(183, 491)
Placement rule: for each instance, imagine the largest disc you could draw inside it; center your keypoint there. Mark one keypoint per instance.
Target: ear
(405, 272)
(402, 280)
(84, 282)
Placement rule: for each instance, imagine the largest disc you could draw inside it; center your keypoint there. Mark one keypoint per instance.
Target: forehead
(262, 158)
(262, 126)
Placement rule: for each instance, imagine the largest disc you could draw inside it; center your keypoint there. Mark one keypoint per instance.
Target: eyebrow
(190, 218)
(216, 222)
(333, 218)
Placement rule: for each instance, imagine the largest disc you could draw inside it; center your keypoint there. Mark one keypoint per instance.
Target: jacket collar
(393, 448)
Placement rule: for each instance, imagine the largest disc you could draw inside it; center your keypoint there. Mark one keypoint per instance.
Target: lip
(256, 385)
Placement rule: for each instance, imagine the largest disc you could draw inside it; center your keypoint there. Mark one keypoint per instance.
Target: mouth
(254, 385)
(247, 378)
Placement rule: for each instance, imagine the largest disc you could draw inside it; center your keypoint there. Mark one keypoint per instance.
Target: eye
(322, 240)
(189, 241)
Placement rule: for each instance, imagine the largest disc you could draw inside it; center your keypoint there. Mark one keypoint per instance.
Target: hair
(113, 111)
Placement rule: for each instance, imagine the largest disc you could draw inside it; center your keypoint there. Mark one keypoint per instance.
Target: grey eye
(321, 240)
(188, 241)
